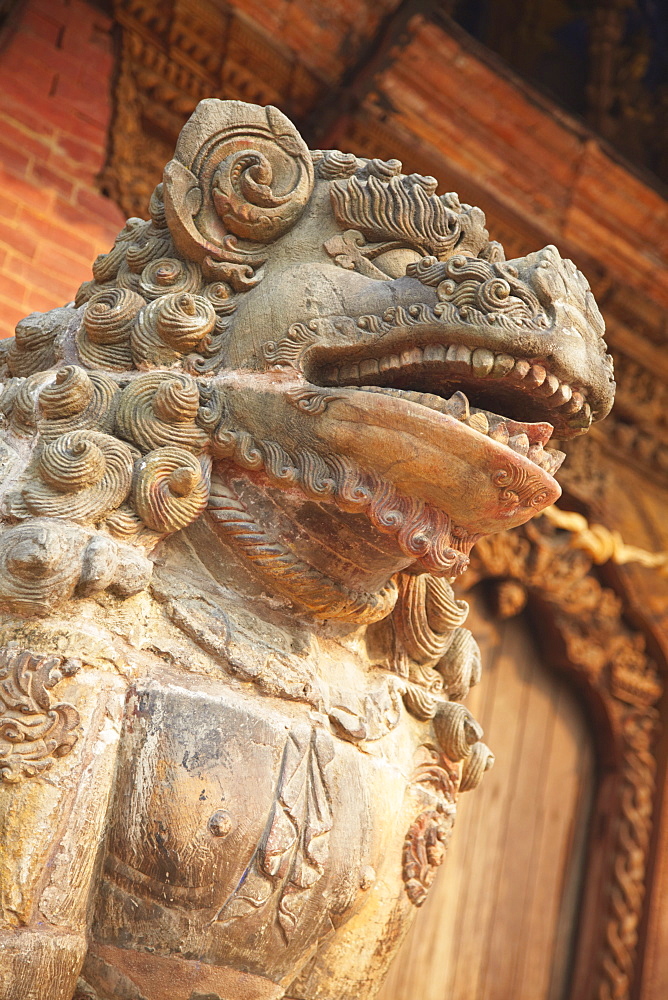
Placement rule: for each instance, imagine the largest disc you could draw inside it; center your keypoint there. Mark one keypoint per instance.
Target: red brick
(73, 240)
(91, 108)
(37, 301)
(10, 314)
(60, 9)
(12, 158)
(46, 177)
(11, 289)
(48, 56)
(40, 278)
(35, 22)
(70, 271)
(25, 139)
(18, 64)
(9, 207)
(18, 238)
(47, 116)
(100, 205)
(83, 153)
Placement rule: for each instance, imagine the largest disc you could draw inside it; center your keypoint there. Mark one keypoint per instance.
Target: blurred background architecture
(551, 116)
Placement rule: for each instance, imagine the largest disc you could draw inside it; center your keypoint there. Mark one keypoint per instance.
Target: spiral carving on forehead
(171, 326)
(81, 476)
(170, 490)
(238, 171)
(159, 408)
(76, 400)
(103, 339)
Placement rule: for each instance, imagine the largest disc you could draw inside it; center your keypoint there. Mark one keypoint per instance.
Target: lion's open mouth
(518, 402)
(524, 389)
(522, 437)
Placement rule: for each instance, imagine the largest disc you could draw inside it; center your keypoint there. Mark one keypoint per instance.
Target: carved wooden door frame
(585, 631)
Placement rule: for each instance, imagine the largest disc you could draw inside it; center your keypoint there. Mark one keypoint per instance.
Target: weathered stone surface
(241, 475)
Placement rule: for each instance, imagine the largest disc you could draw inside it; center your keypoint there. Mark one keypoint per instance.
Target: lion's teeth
(561, 396)
(458, 406)
(482, 362)
(479, 422)
(519, 371)
(412, 357)
(368, 367)
(435, 352)
(349, 372)
(553, 460)
(415, 397)
(503, 364)
(519, 443)
(500, 433)
(432, 401)
(389, 362)
(535, 377)
(459, 357)
(574, 405)
(549, 386)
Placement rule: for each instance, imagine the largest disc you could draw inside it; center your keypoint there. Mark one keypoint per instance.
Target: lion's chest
(243, 830)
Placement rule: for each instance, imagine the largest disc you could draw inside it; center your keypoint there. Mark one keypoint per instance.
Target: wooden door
(501, 919)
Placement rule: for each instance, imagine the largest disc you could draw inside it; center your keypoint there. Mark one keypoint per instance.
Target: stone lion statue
(240, 474)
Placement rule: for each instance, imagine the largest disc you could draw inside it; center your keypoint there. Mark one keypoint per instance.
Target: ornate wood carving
(608, 656)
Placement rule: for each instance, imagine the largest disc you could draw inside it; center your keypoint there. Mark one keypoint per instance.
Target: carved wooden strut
(240, 474)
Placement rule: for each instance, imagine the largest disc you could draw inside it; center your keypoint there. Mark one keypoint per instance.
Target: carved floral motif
(428, 838)
(293, 852)
(34, 729)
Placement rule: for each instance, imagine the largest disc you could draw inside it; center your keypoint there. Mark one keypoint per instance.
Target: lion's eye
(395, 262)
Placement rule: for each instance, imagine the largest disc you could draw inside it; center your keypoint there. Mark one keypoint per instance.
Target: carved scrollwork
(252, 179)
(424, 851)
(171, 326)
(82, 476)
(427, 839)
(169, 274)
(76, 400)
(34, 730)
(169, 490)
(34, 342)
(478, 761)
(104, 336)
(44, 563)
(518, 487)
(159, 409)
(456, 729)
(39, 565)
(387, 205)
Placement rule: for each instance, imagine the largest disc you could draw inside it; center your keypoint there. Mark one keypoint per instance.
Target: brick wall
(55, 105)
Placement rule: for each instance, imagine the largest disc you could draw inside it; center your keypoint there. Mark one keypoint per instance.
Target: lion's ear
(239, 170)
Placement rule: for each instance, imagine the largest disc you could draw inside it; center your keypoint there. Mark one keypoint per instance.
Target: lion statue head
(308, 373)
